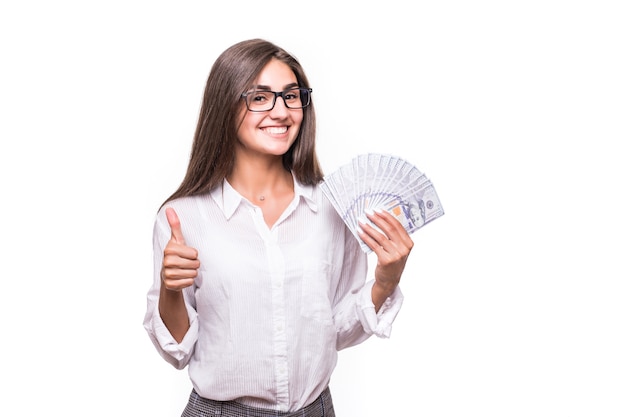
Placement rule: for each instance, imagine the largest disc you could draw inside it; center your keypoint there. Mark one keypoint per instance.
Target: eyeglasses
(265, 100)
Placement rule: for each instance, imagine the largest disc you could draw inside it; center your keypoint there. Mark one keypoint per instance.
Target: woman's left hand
(392, 247)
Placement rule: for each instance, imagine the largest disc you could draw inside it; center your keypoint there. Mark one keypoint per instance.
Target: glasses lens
(260, 100)
(296, 98)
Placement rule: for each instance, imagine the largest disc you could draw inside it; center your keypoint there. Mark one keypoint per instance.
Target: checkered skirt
(202, 407)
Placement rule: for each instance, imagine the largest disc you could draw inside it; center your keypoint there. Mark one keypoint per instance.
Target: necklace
(262, 197)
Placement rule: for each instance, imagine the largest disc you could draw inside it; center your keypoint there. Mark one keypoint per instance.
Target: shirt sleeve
(355, 316)
(378, 323)
(177, 354)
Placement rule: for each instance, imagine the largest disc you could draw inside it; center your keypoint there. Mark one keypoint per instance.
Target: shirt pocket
(316, 297)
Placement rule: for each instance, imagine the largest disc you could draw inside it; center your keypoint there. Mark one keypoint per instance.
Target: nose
(280, 109)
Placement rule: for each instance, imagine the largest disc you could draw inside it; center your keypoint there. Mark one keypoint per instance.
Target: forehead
(276, 75)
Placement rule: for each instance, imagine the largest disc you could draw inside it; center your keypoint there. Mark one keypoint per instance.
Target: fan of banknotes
(378, 181)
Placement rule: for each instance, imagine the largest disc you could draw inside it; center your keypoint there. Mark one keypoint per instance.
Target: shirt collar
(228, 199)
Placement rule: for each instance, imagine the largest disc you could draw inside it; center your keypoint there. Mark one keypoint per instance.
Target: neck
(259, 182)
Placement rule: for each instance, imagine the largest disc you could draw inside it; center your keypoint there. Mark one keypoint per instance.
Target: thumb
(174, 222)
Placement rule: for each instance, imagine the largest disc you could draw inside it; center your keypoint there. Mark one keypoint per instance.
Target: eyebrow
(268, 88)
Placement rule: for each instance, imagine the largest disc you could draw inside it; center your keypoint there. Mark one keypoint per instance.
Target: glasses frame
(281, 95)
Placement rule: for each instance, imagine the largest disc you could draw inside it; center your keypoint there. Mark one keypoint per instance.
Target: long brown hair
(213, 150)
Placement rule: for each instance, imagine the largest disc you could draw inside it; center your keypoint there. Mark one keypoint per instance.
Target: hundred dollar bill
(385, 182)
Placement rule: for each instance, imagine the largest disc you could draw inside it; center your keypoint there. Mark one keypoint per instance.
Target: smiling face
(271, 132)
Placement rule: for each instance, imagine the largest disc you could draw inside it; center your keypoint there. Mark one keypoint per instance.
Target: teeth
(276, 130)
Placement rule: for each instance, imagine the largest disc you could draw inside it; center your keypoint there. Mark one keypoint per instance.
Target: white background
(515, 299)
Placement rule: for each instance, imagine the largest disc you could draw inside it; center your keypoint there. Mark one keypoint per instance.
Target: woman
(258, 282)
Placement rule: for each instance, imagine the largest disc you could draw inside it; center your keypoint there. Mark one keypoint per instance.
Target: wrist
(380, 293)
(384, 289)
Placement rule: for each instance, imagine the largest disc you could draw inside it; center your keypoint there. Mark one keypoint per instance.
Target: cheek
(247, 121)
(297, 119)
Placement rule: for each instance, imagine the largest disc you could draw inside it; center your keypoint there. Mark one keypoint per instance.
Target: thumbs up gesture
(180, 262)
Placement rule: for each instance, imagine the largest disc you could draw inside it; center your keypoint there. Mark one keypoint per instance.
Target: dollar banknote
(382, 182)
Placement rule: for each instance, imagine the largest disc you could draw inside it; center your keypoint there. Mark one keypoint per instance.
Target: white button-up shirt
(270, 307)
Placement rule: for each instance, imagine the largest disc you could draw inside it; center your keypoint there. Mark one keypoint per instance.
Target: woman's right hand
(180, 262)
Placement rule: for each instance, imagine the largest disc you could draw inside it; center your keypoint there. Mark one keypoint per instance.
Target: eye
(292, 95)
(259, 97)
